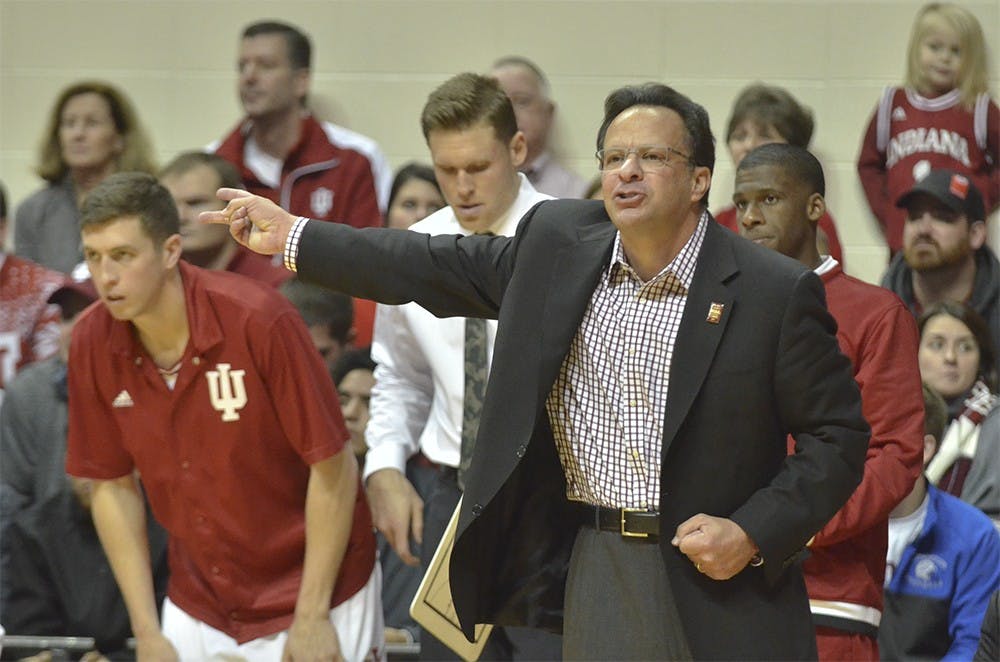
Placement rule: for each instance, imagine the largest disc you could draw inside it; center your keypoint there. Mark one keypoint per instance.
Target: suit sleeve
(892, 402)
(402, 395)
(818, 402)
(449, 275)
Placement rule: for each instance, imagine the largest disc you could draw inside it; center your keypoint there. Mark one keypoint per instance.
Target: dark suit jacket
(770, 366)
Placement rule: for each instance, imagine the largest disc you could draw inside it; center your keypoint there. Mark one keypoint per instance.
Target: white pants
(358, 620)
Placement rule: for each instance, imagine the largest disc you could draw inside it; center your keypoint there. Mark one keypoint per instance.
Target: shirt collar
(507, 224)
(204, 327)
(828, 264)
(682, 266)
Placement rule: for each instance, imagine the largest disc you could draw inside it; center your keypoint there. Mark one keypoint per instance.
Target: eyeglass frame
(638, 152)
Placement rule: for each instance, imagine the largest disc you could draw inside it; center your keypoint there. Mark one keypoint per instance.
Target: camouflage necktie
(476, 364)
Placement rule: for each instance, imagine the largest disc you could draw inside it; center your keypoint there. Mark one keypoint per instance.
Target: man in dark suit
(645, 375)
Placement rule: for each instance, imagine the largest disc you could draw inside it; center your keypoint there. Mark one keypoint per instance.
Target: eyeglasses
(651, 157)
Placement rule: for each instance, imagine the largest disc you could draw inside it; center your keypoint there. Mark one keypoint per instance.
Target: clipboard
(432, 607)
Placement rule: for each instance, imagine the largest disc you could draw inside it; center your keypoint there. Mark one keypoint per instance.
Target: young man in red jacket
(779, 198)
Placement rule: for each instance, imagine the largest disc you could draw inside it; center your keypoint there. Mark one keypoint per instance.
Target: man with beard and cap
(945, 255)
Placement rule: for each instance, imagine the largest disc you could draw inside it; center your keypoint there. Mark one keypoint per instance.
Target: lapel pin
(715, 313)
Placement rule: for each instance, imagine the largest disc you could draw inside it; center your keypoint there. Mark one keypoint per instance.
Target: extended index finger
(228, 194)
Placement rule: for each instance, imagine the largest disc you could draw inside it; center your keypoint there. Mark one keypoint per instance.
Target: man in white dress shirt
(417, 403)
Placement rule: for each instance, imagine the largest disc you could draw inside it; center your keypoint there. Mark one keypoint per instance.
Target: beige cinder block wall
(376, 60)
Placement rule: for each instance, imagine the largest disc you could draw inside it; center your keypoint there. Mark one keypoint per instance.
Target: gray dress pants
(618, 602)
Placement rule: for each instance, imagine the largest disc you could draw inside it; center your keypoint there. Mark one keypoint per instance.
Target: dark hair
(767, 104)
(299, 48)
(3, 203)
(465, 100)
(700, 142)
(410, 171)
(318, 305)
(792, 159)
(935, 413)
(355, 359)
(132, 194)
(228, 176)
(137, 152)
(980, 330)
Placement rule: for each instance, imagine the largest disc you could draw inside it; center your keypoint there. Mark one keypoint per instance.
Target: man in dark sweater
(945, 256)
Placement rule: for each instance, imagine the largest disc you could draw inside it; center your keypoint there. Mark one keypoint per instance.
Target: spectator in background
(192, 179)
(779, 200)
(354, 376)
(765, 114)
(415, 195)
(29, 326)
(942, 118)
(942, 566)
(945, 256)
(957, 360)
(523, 81)
(283, 152)
(57, 580)
(328, 315)
(92, 132)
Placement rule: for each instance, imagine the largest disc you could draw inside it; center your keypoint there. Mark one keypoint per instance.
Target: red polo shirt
(224, 456)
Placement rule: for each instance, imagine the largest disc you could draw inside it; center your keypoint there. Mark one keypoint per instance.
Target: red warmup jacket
(327, 176)
(845, 573)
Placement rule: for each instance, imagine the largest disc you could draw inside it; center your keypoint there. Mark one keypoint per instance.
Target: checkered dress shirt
(608, 403)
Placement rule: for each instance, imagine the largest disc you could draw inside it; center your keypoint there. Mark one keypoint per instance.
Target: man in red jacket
(779, 198)
(283, 152)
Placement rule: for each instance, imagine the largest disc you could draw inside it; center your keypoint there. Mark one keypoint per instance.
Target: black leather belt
(629, 522)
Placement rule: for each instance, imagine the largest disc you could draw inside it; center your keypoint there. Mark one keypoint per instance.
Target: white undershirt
(902, 532)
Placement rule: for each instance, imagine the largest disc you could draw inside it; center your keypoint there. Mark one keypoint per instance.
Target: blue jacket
(935, 603)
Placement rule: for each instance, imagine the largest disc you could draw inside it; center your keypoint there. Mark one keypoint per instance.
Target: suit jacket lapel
(698, 337)
(576, 269)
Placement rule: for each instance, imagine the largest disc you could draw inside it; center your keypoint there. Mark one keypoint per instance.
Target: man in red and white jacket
(779, 198)
(312, 168)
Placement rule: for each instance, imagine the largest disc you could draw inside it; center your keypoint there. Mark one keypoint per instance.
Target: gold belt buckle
(630, 534)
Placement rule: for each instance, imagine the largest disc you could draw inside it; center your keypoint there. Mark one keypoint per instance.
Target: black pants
(504, 643)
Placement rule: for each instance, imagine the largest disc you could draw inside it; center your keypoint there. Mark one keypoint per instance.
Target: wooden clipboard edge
(432, 606)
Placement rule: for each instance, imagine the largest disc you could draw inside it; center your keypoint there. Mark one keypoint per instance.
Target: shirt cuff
(292, 244)
(386, 455)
